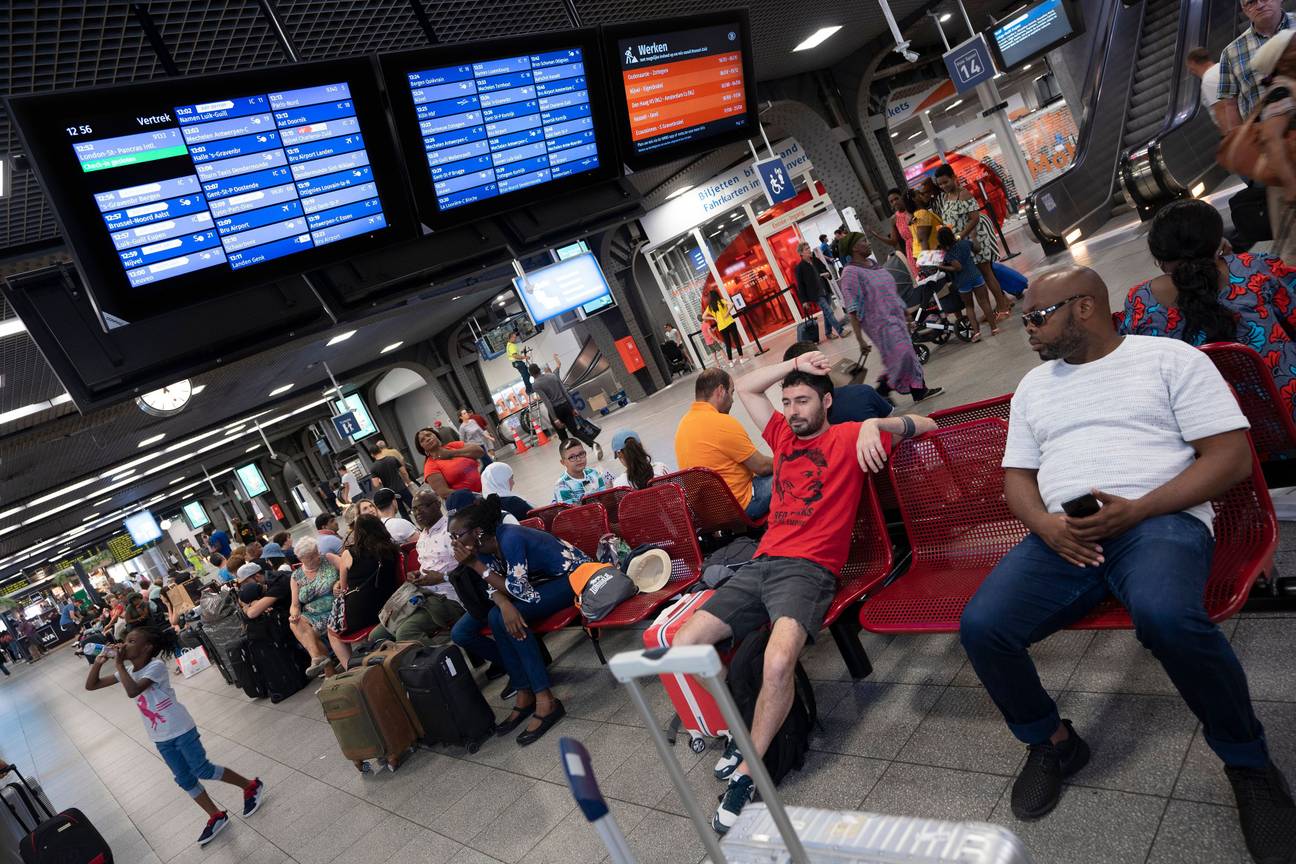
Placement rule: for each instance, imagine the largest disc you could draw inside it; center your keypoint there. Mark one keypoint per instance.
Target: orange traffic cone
(541, 438)
(519, 443)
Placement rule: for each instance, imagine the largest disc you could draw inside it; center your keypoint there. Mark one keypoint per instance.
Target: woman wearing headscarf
(497, 479)
(869, 294)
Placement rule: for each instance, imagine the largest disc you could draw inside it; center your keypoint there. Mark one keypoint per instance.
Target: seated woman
(497, 479)
(312, 600)
(368, 570)
(577, 479)
(1206, 295)
(449, 466)
(529, 571)
(640, 467)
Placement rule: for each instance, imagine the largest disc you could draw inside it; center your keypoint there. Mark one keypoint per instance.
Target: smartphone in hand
(1078, 508)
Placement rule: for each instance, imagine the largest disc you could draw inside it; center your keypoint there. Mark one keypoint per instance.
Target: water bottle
(94, 649)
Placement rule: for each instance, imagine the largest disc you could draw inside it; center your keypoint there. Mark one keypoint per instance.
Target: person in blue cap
(640, 468)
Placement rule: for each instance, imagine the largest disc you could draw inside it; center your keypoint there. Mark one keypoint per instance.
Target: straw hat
(650, 571)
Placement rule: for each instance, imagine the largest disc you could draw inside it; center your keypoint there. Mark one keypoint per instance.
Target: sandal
(547, 722)
(514, 719)
(1004, 315)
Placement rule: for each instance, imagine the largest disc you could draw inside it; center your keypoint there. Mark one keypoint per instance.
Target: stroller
(675, 358)
(923, 299)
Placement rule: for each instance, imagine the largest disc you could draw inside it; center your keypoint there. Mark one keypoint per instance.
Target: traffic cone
(519, 443)
(541, 438)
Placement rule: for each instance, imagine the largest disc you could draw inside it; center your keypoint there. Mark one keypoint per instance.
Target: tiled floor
(918, 737)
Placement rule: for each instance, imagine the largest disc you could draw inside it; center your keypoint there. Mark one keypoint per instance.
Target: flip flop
(1003, 316)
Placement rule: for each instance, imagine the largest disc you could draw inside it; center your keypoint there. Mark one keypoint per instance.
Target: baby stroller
(929, 309)
(675, 358)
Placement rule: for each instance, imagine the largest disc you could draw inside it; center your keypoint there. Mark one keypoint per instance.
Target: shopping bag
(193, 661)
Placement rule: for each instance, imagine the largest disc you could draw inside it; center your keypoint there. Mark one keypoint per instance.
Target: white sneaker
(729, 762)
(735, 798)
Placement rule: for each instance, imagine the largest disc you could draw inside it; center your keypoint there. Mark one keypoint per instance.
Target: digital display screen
(1036, 30)
(251, 480)
(197, 516)
(356, 406)
(490, 126)
(142, 528)
(682, 89)
(558, 288)
(166, 189)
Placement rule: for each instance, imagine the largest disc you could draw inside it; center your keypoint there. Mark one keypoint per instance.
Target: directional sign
(775, 181)
(969, 63)
(346, 425)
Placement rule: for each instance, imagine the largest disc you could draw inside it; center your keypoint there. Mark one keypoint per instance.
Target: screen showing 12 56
(238, 181)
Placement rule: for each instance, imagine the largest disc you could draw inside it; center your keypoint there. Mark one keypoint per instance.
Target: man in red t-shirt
(818, 477)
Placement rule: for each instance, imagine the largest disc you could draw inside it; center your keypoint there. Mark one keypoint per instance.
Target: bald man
(1148, 428)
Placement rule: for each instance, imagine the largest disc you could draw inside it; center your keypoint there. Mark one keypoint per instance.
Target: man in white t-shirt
(439, 609)
(1147, 426)
(1206, 67)
(401, 529)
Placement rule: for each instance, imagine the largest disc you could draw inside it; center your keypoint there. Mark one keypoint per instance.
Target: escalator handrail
(1091, 95)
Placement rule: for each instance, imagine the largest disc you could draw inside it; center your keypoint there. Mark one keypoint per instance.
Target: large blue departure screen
(499, 126)
(237, 182)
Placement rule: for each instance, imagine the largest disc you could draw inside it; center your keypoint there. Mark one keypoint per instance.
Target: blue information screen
(236, 182)
(1036, 29)
(495, 127)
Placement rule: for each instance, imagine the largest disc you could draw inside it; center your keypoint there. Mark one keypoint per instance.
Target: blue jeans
(525, 372)
(762, 488)
(830, 320)
(467, 634)
(1157, 570)
(522, 657)
(188, 761)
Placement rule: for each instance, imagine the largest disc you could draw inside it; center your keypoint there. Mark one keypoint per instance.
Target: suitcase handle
(27, 789)
(580, 778)
(704, 664)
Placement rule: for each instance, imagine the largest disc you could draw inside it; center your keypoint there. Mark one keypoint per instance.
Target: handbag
(193, 661)
(586, 428)
(1243, 149)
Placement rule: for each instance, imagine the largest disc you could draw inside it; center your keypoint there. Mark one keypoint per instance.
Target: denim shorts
(187, 759)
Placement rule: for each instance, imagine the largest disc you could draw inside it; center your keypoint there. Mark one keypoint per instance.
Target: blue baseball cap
(620, 438)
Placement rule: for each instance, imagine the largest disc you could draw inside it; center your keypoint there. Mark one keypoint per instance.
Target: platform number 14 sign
(969, 63)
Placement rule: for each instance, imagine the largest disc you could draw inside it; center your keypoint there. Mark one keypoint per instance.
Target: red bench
(950, 488)
(611, 501)
(1272, 428)
(710, 501)
(996, 407)
(582, 527)
(533, 522)
(547, 513)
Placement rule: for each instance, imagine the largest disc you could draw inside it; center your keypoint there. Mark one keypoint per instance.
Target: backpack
(599, 589)
(788, 749)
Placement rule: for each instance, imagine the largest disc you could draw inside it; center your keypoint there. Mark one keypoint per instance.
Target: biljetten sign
(717, 195)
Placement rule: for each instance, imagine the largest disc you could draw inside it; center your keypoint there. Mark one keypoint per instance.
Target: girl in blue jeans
(526, 571)
(148, 681)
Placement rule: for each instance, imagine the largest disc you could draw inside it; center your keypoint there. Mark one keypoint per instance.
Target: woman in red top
(449, 466)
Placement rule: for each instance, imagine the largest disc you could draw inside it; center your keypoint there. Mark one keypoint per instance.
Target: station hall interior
(242, 243)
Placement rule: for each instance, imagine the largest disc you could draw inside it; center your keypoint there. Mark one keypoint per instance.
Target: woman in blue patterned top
(526, 571)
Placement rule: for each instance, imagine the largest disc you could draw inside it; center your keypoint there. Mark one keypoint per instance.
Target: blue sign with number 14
(969, 63)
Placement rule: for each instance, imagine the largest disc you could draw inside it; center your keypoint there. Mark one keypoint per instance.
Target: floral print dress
(315, 594)
(956, 212)
(1259, 293)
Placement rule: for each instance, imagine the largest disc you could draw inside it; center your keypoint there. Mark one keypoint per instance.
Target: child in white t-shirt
(170, 727)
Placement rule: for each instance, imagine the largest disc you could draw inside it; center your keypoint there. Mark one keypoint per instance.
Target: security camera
(910, 55)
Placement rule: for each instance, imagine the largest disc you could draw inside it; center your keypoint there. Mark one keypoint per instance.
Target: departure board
(494, 128)
(683, 87)
(164, 191)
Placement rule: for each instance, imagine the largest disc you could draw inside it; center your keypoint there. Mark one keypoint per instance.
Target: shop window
(747, 273)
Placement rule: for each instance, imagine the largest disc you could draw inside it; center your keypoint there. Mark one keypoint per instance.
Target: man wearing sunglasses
(1148, 428)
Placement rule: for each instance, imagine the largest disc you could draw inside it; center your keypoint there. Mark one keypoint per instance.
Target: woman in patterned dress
(869, 295)
(1206, 295)
(312, 600)
(962, 213)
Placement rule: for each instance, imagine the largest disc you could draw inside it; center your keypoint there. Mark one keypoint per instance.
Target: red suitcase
(698, 713)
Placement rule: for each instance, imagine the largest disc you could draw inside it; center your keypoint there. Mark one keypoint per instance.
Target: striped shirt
(1237, 79)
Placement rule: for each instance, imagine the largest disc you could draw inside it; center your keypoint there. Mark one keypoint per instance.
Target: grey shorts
(770, 588)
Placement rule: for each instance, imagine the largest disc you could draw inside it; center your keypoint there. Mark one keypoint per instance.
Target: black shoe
(494, 671)
(547, 722)
(1039, 784)
(508, 692)
(511, 723)
(1266, 812)
(928, 393)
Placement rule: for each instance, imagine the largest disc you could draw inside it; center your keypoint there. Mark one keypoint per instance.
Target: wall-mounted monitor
(356, 406)
(174, 191)
(143, 528)
(1035, 30)
(550, 291)
(252, 480)
(195, 514)
(681, 86)
(490, 126)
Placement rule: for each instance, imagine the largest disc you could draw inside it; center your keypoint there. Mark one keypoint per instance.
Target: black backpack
(787, 750)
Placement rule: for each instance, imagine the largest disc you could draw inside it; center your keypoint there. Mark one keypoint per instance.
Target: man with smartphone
(1131, 517)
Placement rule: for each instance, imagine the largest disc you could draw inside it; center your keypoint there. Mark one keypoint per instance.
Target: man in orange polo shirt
(708, 437)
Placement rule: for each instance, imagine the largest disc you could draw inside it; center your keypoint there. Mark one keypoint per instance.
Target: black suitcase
(189, 638)
(213, 653)
(68, 838)
(808, 330)
(279, 667)
(244, 671)
(446, 698)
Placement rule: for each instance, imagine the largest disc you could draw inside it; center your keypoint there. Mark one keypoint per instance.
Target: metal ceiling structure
(61, 44)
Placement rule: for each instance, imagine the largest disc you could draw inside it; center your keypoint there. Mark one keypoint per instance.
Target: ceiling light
(60, 493)
(460, 297)
(91, 516)
(678, 192)
(5, 531)
(253, 447)
(341, 337)
(915, 135)
(947, 16)
(117, 477)
(175, 481)
(282, 389)
(103, 502)
(1027, 66)
(12, 326)
(954, 104)
(895, 134)
(395, 345)
(24, 411)
(152, 439)
(194, 391)
(817, 38)
(236, 429)
(11, 511)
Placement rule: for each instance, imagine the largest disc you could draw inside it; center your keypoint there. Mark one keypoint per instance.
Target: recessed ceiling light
(198, 388)
(175, 481)
(253, 447)
(678, 192)
(341, 337)
(11, 327)
(460, 297)
(103, 502)
(393, 346)
(152, 439)
(282, 389)
(91, 516)
(1027, 66)
(895, 134)
(946, 17)
(238, 428)
(123, 474)
(11, 511)
(913, 136)
(817, 38)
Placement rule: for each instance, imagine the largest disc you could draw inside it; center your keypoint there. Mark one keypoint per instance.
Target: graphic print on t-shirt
(799, 483)
(153, 716)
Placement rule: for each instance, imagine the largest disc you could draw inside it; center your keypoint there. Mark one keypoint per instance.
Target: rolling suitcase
(367, 717)
(445, 697)
(278, 668)
(808, 330)
(68, 838)
(25, 808)
(698, 713)
(391, 656)
(244, 671)
(764, 832)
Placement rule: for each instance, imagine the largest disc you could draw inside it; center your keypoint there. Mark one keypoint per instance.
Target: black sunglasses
(1039, 317)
